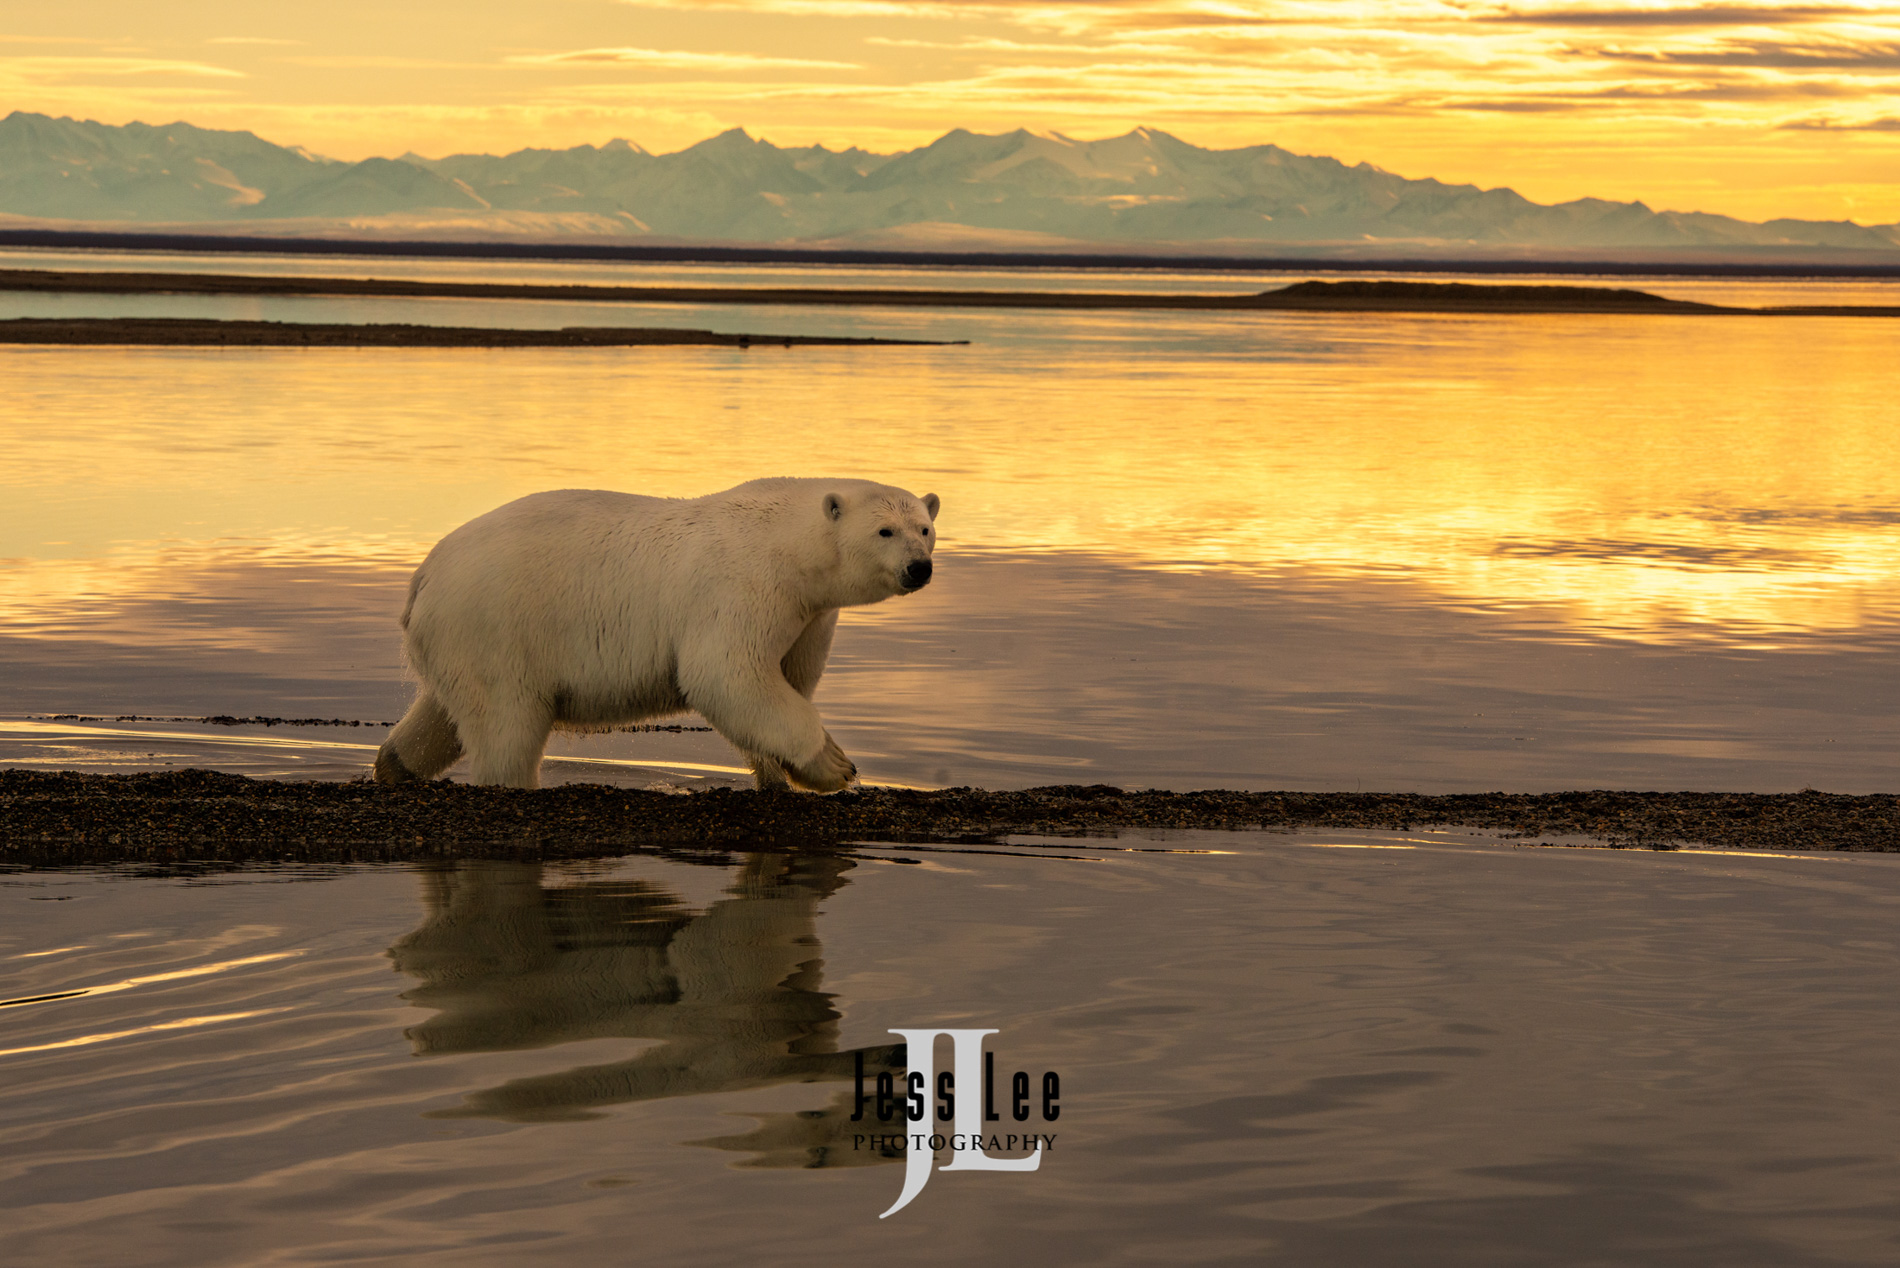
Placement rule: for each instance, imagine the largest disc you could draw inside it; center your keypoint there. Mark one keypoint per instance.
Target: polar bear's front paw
(828, 772)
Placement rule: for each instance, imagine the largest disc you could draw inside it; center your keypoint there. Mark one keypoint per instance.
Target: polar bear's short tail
(409, 604)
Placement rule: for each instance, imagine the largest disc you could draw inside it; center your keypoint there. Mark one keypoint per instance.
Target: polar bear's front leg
(769, 772)
(805, 663)
(802, 667)
(748, 700)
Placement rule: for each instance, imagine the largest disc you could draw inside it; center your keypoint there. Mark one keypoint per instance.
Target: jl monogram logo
(969, 1138)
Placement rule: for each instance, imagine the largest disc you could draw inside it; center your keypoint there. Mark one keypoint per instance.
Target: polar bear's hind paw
(390, 770)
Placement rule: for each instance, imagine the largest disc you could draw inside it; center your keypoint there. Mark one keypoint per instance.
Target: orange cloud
(665, 59)
(1751, 109)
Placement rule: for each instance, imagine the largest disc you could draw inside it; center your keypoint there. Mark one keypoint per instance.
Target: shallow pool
(1319, 1049)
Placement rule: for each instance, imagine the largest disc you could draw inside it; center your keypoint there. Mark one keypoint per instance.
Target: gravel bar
(54, 818)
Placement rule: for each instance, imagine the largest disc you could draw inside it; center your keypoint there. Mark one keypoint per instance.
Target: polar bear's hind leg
(422, 745)
(505, 742)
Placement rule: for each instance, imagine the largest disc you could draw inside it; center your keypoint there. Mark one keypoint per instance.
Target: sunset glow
(1623, 505)
(1750, 110)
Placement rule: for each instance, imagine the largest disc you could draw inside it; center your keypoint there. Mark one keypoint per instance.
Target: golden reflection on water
(206, 596)
(1654, 478)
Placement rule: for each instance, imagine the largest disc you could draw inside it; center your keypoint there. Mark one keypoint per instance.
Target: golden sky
(1752, 110)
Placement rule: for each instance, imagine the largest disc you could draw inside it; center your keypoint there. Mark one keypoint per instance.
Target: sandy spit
(74, 819)
(197, 332)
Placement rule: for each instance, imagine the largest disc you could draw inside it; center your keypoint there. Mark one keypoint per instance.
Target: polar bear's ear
(834, 507)
(931, 504)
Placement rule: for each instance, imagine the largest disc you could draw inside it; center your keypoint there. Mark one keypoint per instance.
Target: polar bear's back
(562, 594)
(537, 549)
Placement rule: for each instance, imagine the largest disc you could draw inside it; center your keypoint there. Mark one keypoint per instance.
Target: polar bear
(583, 608)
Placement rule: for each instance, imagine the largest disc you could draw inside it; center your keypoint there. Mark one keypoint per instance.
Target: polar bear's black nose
(917, 573)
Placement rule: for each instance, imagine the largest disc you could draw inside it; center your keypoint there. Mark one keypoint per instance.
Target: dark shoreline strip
(52, 819)
(1315, 296)
(191, 332)
(1670, 265)
(227, 719)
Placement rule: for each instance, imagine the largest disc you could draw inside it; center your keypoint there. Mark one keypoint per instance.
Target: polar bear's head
(884, 538)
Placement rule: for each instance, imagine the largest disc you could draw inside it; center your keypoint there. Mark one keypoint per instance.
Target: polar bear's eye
(883, 532)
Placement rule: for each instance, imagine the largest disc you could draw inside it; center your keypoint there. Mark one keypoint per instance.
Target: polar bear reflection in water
(584, 609)
(732, 993)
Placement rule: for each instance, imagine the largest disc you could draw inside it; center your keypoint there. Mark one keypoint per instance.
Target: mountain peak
(1143, 190)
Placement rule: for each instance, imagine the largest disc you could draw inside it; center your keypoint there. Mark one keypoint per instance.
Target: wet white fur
(584, 608)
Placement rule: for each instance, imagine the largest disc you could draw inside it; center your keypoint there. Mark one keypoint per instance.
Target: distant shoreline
(186, 332)
(63, 818)
(1313, 296)
(214, 243)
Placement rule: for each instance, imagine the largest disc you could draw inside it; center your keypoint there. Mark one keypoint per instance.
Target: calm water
(1276, 1052)
(1289, 550)
(1302, 551)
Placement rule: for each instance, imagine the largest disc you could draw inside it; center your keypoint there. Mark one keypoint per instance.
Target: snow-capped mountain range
(1019, 190)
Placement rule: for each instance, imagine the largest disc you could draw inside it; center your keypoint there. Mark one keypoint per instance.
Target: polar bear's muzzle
(916, 574)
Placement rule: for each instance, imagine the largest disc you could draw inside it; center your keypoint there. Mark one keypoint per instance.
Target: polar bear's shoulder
(796, 486)
(803, 492)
